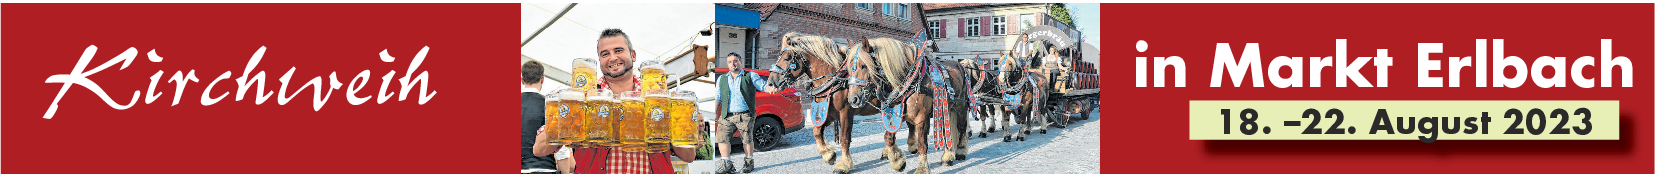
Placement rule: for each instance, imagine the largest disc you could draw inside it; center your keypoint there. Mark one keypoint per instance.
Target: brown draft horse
(897, 75)
(814, 62)
(985, 93)
(1025, 88)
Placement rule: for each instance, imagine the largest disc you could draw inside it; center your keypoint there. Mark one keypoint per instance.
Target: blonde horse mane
(1008, 65)
(895, 58)
(820, 46)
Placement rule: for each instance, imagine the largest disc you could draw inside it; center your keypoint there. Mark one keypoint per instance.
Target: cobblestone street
(1061, 150)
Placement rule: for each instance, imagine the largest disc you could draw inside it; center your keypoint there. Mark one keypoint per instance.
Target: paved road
(1071, 150)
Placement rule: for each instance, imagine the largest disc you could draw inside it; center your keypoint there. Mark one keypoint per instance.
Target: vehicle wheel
(767, 134)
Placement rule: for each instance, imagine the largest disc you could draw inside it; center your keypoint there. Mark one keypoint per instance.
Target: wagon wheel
(1081, 104)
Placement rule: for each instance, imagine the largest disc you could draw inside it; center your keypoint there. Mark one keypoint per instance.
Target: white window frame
(972, 27)
(932, 27)
(1025, 19)
(999, 24)
(864, 6)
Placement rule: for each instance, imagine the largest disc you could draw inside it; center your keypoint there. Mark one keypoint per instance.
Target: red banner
(1146, 127)
(440, 119)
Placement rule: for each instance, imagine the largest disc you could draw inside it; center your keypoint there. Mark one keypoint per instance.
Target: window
(902, 10)
(971, 25)
(1028, 21)
(932, 27)
(898, 10)
(999, 25)
(864, 6)
(887, 8)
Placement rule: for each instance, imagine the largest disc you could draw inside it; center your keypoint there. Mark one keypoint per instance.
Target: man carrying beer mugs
(735, 100)
(616, 55)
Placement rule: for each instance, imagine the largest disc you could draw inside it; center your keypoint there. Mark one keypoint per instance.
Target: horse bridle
(793, 63)
(909, 86)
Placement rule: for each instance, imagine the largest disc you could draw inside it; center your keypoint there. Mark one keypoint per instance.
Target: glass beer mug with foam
(685, 120)
(568, 119)
(632, 121)
(602, 110)
(658, 110)
(653, 75)
(584, 74)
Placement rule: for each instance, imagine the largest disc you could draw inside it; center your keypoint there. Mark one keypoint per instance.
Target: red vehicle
(777, 114)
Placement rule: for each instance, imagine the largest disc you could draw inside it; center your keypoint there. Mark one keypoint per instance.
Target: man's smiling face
(615, 56)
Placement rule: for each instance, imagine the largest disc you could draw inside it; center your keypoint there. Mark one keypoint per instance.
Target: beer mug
(653, 75)
(551, 118)
(685, 133)
(632, 121)
(657, 103)
(584, 73)
(602, 109)
(567, 124)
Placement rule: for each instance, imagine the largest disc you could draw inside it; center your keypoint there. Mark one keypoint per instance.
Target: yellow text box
(1405, 120)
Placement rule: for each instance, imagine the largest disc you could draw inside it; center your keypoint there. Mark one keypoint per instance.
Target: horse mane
(1011, 67)
(820, 46)
(895, 58)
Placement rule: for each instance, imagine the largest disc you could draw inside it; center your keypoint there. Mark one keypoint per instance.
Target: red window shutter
(1012, 24)
(985, 26)
(1040, 19)
(960, 32)
(942, 30)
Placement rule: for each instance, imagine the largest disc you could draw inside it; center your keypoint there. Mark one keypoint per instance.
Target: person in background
(533, 115)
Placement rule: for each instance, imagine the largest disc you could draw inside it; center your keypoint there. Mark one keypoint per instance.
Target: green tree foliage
(1061, 12)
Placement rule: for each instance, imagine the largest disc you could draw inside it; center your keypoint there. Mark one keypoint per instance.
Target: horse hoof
(948, 159)
(1042, 131)
(1007, 139)
(828, 155)
(1025, 132)
(898, 163)
(947, 163)
(844, 165)
(1019, 138)
(991, 130)
(922, 170)
(982, 135)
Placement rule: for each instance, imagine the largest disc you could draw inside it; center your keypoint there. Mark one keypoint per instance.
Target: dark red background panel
(468, 127)
(1147, 128)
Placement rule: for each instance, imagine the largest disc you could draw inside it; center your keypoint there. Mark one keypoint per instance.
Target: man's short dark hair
(733, 54)
(612, 32)
(532, 71)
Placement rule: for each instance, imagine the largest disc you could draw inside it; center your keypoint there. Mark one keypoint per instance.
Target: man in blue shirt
(736, 107)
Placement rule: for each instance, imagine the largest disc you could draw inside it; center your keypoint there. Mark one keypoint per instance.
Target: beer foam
(585, 62)
(572, 95)
(651, 64)
(600, 98)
